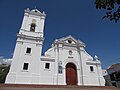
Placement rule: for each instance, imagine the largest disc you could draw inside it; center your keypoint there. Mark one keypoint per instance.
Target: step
(53, 87)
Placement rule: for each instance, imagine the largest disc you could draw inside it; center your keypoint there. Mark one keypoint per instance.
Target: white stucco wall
(63, 51)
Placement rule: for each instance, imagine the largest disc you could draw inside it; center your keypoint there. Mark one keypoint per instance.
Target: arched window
(32, 27)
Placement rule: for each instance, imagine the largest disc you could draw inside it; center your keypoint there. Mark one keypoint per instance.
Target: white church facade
(65, 63)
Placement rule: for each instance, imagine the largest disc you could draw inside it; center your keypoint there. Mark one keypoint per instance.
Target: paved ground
(53, 87)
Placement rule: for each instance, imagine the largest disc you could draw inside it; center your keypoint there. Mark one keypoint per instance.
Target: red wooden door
(71, 74)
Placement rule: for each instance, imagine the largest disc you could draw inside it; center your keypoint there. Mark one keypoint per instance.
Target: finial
(28, 9)
(56, 40)
(96, 57)
(43, 12)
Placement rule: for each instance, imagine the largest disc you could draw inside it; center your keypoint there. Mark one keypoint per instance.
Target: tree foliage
(3, 73)
(112, 8)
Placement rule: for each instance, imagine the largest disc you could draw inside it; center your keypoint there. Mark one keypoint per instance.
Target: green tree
(112, 8)
(3, 72)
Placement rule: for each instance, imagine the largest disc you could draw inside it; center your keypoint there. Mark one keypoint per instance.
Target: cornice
(35, 12)
(30, 37)
(45, 58)
(31, 31)
(93, 63)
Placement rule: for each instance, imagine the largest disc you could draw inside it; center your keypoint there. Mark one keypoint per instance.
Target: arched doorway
(71, 74)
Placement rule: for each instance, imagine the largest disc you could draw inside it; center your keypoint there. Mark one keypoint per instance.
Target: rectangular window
(32, 27)
(91, 68)
(118, 76)
(114, 84)
(60, 69)
(25, 66)
(28, 50)
(112, 76)
(47, 65)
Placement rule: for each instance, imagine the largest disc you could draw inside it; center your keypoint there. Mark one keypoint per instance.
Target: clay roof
(114, 65)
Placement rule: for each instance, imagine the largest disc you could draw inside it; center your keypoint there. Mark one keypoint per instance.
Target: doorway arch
(71, 74)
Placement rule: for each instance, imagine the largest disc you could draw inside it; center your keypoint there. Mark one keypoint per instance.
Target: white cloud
(5, 61)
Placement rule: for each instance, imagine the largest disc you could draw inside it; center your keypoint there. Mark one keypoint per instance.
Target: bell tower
(25, 64)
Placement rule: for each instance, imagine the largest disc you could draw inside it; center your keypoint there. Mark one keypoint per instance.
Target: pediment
(69, 40)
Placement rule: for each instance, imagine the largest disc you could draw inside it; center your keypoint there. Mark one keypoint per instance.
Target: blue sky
(78, 18)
